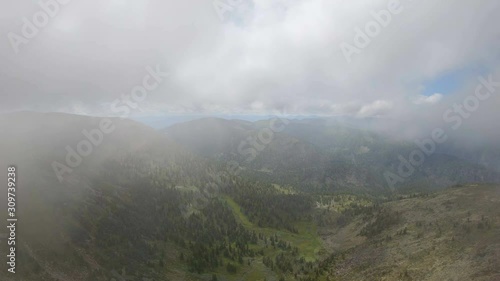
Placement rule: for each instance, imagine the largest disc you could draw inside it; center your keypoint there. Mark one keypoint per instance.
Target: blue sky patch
(451, 81)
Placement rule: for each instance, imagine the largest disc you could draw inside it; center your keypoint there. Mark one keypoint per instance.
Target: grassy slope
(308, 242)
(451, 235)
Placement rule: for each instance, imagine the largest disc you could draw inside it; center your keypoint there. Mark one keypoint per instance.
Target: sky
(406, 61)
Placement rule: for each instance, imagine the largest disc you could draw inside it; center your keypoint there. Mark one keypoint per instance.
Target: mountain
(125, 201)
(64, 222)
(449, 235)
(210, 136)
(102, 199)
(324, 154)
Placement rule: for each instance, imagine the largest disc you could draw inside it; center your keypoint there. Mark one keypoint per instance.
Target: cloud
(272, 55)
(432, 99)
(377, 108)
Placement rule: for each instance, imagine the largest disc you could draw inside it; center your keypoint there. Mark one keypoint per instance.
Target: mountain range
(216, 199)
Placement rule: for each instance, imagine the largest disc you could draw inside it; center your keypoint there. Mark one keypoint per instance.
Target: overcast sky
(252, 57)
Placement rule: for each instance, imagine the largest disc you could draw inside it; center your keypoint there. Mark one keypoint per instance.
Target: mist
(257, 58)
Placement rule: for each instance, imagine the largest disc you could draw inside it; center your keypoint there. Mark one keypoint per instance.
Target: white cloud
(284, 55)
(432, 99)
(377, 108)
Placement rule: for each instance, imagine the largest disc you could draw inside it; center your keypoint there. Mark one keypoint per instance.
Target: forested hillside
(144, 206)
(316, 155)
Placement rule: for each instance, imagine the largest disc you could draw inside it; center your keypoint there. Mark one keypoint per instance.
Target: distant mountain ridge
(323, 154)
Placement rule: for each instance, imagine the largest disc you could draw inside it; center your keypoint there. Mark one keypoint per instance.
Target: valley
(147, 205)
(256, 140)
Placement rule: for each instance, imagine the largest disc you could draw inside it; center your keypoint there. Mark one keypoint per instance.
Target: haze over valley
(254, 140)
